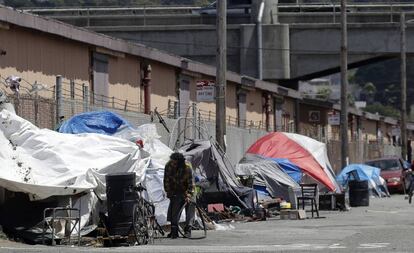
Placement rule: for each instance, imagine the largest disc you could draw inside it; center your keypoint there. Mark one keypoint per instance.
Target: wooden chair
(309, 192)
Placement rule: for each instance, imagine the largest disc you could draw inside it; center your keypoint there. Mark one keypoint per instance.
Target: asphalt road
(386, 225)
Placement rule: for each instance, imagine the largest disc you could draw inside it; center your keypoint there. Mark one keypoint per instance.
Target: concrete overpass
(297, 45)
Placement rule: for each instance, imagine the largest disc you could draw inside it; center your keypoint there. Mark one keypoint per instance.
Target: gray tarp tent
(269, 174)
(214, 169)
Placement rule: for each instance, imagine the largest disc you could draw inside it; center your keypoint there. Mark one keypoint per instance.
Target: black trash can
(120, 202)
(358, 193)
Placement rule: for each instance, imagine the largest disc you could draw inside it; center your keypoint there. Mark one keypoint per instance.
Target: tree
(323, 93)
(369, 88)
(351, 99)
(385, 76)
(368, 92)
(384, 110)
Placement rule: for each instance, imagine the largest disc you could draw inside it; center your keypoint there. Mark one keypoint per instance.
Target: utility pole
(221, 69)
(344, 86)
(403, 123)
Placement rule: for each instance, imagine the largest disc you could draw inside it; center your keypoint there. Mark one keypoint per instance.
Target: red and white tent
(308, 154)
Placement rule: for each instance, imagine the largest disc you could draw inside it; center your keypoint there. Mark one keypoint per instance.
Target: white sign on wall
(396, 131)
(205, 91)
(334, 119)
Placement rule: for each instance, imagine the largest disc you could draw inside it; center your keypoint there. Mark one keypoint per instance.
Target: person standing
(179, 186)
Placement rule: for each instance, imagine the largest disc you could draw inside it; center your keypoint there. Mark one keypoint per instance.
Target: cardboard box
(292, 215)
(284, 214)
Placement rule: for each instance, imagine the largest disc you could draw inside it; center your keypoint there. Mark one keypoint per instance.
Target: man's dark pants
(176, 203)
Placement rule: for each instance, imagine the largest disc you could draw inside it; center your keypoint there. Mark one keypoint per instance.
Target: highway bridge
(300, 41)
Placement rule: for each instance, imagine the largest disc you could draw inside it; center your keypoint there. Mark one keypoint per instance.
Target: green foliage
(385, 76)
(369, 88)
(323, 93)
(351, 99)
(384, 110)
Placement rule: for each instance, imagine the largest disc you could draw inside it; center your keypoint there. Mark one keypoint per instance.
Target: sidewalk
(386, 225)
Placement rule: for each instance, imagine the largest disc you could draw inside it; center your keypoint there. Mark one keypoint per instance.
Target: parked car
(394, 171)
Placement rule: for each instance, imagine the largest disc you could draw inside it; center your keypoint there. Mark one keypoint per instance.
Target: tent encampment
(217, 175)
(43, 163)
(308, 154)
(270, 175)
(101, 122)
(290, 168)
(362, 172)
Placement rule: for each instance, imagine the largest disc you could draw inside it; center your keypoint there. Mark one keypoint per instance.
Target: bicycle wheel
(150, 217)
(139, 224)
(196, 225)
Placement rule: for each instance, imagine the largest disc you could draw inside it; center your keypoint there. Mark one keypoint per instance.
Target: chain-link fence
(315, 131)
(359, 152)
(40, 111)
(46, 107)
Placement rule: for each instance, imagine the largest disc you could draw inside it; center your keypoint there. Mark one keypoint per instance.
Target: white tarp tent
(44, 163)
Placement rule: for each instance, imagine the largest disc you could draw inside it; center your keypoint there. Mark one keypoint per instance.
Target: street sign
(334, 119)
(205, 91)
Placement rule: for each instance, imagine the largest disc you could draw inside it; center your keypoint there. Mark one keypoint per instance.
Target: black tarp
(212, 167)
(269, 174)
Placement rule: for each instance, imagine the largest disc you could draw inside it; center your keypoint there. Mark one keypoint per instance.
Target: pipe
(260, 41)
(147, 89)
(267, 111)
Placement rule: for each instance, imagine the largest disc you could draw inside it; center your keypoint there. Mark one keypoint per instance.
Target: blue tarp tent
(291, 169)
(362, 172)
(102, 122)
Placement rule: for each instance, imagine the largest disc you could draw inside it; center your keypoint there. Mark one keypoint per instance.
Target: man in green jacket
(179, 186)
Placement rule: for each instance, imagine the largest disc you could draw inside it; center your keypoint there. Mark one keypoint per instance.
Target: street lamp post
(403, 120)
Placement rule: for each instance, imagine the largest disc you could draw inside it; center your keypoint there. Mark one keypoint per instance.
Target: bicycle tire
(198, 225)
(139, 224)
(150, 217)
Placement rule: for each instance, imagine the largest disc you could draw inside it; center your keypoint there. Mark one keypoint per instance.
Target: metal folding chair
(309, 194)
(52, 215)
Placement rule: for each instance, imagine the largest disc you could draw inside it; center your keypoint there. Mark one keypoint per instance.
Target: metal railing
(293, 6)
(155, 15)
(122, 10)
(210, 116)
